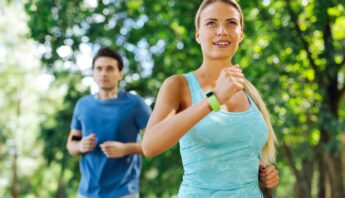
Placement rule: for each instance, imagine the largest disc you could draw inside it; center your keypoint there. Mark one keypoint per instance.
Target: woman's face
(219, 31)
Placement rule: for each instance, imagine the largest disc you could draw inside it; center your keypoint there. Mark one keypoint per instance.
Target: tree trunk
(332, 156)
(322, 176)
(61, 183)
(15, 185)
(303, 186)
(330, 168)
(342, 142)
(335, 175)
(303, 177)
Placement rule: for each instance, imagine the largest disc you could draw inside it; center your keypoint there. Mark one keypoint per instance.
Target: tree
(20, 92)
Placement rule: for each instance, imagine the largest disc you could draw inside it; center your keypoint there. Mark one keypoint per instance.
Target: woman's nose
(221, 31)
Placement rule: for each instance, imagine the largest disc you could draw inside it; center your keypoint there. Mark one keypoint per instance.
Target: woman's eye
(211, 23)
(232, 23)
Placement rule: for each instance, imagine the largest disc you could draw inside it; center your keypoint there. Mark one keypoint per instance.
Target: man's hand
(87, 143)
(268, 176)
(113, 149)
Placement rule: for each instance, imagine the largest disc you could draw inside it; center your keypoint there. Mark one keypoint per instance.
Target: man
(104, 131)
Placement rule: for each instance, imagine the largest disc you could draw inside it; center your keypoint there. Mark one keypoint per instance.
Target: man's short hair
(107, 52)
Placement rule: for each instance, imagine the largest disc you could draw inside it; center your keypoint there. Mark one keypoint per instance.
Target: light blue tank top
(221, 153)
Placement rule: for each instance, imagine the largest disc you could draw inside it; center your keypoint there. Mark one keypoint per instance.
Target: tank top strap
(194, 87)
(251, 100)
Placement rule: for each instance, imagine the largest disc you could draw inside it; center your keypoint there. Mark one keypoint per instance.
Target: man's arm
(73, 145)
(114, 149)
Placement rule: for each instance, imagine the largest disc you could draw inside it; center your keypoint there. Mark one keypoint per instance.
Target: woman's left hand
(268, 176)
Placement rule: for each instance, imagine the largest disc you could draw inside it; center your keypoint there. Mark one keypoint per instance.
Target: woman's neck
(210, 69)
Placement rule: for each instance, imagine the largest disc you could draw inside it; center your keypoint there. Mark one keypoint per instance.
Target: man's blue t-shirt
(117, 119)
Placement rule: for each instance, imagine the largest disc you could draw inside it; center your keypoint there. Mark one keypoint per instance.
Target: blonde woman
(216, 115)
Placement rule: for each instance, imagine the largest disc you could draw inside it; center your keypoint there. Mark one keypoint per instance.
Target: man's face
(106, 73)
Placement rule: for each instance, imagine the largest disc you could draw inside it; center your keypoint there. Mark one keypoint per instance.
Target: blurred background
(293, 52)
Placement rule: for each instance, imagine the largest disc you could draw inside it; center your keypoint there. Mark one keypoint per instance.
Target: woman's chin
(218, 56)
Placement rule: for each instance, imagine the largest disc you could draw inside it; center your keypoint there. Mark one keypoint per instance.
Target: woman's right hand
(230, 81)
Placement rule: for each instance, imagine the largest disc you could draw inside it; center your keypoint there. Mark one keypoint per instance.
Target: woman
(223, 135)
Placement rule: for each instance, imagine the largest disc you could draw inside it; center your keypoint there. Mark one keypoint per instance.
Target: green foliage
(20, 92)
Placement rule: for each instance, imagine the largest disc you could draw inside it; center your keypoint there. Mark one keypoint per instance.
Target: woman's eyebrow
(232, 19)
(210, 19)
(214, 19)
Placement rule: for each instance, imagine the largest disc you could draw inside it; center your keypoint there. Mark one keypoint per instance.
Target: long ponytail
(268, 154)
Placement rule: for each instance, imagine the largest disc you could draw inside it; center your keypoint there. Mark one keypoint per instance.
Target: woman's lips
(222, 44)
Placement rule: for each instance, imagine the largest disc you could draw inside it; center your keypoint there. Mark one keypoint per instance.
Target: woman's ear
(241, 36)
(197, 36)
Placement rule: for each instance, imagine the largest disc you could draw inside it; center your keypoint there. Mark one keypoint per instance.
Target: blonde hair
(206, 3)
(268, 153)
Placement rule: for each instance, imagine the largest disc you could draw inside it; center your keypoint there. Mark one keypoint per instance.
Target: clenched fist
(113, 149)
(87, 143)
(268, 176)
(230, 81)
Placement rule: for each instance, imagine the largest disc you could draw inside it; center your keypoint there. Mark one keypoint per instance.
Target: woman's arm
(166, 126)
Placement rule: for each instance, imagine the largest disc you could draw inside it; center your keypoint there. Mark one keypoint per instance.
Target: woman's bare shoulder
(176, 81)
(175, 89)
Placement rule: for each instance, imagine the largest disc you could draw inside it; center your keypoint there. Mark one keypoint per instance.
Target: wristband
(212, 100)
(76, 138)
